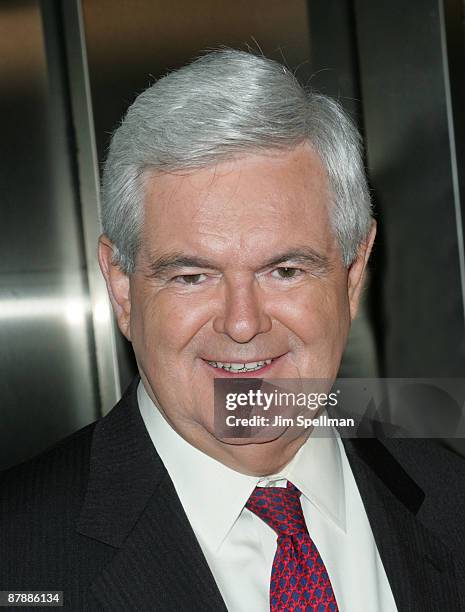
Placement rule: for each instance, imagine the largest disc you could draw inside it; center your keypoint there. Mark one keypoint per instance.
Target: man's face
(238, 264)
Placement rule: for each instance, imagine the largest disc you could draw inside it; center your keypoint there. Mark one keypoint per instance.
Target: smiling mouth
(238, 368)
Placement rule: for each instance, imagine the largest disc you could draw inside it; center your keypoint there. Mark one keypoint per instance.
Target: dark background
(68, 71)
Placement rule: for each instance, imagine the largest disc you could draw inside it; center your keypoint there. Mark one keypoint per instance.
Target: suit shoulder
(430, 462)
(55, 475)
(440, 472)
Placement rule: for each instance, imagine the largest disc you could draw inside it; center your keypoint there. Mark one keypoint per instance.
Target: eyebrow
(317, 263)
(160, 266)
(305, 256)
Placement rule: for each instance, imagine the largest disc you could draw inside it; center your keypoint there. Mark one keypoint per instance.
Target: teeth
(240, 367)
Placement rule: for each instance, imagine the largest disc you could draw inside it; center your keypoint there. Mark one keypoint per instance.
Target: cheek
(314, 311)
(335, 323)
(164, 324)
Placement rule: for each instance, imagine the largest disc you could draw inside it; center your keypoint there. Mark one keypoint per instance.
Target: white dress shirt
(239, 546)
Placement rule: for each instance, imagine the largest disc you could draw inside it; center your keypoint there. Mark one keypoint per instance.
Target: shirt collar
(213, 495)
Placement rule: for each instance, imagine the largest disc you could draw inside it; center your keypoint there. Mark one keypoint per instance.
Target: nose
(243, 314)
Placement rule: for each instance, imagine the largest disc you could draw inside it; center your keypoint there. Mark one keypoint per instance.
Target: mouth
(242, 368)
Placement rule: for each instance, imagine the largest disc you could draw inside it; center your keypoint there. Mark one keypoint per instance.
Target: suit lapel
(131, 505)
(418, 565)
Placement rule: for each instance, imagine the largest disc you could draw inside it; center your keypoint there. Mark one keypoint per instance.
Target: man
(237, 230)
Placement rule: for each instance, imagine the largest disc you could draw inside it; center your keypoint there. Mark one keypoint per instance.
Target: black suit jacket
(98, 517)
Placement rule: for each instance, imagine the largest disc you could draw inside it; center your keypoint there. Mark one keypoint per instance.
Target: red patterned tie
(299, 580)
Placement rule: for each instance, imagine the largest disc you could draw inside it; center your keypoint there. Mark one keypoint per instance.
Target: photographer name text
(281, 421)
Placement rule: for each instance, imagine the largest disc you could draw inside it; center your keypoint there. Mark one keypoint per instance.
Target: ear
(117, 285)
(357, 269)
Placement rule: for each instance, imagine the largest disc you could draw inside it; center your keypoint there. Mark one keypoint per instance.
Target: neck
(253, 459)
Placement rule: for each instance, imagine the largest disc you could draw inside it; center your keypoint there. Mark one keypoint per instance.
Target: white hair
(225, 104)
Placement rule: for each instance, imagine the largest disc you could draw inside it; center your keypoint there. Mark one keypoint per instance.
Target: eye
(190, 279)
(286, 273)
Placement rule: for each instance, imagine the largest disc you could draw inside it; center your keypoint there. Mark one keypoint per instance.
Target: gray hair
(225, 104)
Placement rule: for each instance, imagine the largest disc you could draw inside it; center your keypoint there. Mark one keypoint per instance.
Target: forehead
(254, 204)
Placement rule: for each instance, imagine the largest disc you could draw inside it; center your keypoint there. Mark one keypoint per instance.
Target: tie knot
(279, 507)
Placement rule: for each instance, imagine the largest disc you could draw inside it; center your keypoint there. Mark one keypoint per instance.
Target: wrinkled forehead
(247, 190)
(244, 210)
